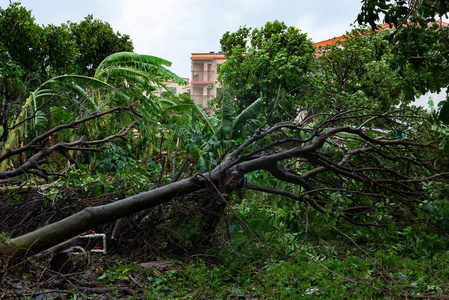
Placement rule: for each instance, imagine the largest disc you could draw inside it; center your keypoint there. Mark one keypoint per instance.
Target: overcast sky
(173, 29)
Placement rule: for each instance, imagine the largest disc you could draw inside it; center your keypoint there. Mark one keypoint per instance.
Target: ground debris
(161, 266)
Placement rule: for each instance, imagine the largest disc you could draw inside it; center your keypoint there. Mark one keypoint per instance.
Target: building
(204, 85)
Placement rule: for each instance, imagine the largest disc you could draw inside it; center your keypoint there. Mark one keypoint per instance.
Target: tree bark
(53, 234)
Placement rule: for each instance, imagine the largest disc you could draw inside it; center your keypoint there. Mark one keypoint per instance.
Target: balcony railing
(203, 75)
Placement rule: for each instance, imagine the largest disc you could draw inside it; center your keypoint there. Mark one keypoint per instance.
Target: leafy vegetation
(419, 42)
(273, 67)
(356, 71)
(312, 177)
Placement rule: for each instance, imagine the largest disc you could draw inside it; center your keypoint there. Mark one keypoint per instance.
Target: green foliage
(96, 40)
(89, 183)
(136, 69)
(274, 222)
(114, 159)
(399, 11)
(271, 247)
(11, 72)
(22, 37)
(355, 72)
(305, 277)
(419, 48)
(119, 273)
(211, 138)
(55, 50)
(4, 237)
(120, 79)
(62, 49)
(30, 54)
(266, 63)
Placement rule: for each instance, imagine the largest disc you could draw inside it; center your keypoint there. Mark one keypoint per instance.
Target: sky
(173, 29)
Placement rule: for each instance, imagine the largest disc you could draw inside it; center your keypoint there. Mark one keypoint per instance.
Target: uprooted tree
(357, 165)
(368, 168)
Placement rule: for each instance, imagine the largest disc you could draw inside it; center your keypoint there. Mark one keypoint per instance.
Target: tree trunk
(53, 234)
(228, 176)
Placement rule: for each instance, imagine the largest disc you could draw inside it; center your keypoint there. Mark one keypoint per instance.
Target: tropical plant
(211, 137)
(120, 81)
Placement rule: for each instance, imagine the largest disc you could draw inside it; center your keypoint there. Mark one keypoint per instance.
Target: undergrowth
(262, 249)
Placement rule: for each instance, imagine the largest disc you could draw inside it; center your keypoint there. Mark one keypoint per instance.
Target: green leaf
(251, 112)
(443, 113)
(208, 120)
(227, 113)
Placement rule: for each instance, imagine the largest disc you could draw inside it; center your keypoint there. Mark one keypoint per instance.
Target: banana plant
(136, 69)
(30, 113)
(121, 79)
(210, 137)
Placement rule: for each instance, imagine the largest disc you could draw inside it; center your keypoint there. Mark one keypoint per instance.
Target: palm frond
(179, 108)
(251, 112)
(208, 120)
(151, 65)
(76, 83)
(227, 113)
(121, 57)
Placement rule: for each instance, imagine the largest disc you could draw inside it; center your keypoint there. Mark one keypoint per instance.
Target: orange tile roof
(340, 38)
(206, 55)
(328, 42)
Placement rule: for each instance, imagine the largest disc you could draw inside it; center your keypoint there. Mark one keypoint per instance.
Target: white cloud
(173, 29)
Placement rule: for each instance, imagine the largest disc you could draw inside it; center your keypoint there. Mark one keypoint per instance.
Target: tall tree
(22, 37)
(96, 40)
(268, 62)
(354, 71)
(60, 50)
(53, 50)
(420, 39)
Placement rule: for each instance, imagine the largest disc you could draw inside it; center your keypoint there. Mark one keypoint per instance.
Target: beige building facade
(203, 83)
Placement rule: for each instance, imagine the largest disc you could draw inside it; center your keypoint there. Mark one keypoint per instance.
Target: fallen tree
(375, 163)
